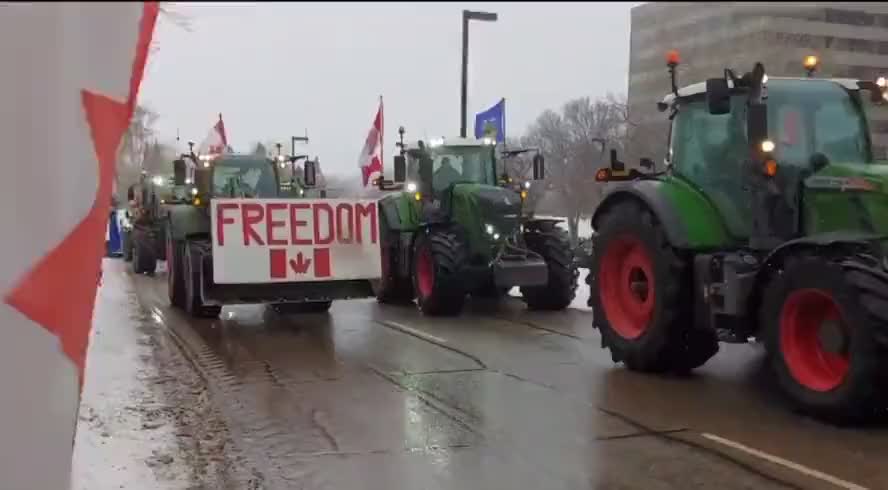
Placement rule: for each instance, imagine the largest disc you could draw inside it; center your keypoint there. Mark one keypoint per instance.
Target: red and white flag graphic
(66, 107)
(216, 141)
(370, 160)
(282, 267)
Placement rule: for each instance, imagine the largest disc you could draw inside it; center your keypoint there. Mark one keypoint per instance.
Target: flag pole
(381, 136)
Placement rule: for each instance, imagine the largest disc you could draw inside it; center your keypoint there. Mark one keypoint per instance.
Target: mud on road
(146, 417)
(378, 397)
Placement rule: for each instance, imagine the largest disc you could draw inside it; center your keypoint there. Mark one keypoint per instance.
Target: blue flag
(492, 122)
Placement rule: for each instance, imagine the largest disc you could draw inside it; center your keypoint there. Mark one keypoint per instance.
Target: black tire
(561, 289)
(650, 332)
(127, 241)
(391, 288)
(175, 276)
(437, 258)
(193, 302)
(144, 260)
(859, 391)
(299, 308)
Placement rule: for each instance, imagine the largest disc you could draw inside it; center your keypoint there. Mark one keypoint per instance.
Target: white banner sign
(294, 240)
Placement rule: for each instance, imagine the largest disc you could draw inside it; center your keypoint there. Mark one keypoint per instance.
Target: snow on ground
(579, 303)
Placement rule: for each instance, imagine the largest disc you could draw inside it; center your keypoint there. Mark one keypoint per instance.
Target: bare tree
(132, 150)
(575, 144)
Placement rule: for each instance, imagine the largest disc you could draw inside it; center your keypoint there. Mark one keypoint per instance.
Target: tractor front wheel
(175, 252)
(144, 260)
(826, 333)
(194, 304)
(553, 245)
(642, 295)
(437, 257)
(390, 288)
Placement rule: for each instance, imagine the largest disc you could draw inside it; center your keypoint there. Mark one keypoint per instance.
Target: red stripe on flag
(277, 258)
(59, 291)
(322, 262)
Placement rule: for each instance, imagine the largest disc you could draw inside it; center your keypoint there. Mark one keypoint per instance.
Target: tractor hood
(485, 211)
(848, 197)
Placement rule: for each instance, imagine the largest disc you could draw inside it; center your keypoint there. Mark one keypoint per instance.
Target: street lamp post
(468, 15)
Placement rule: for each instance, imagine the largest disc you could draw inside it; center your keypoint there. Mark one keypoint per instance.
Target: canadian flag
(370, 160)
(66, 106)
(216, 141)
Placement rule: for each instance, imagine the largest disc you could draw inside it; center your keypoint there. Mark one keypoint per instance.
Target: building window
(850, 17)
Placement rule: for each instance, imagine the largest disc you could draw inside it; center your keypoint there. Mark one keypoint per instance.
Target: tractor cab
(233, 176)
(457, 179)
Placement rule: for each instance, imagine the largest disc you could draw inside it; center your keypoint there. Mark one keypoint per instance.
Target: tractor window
(816, 117)
(244, 178)
(708, 151)
(462, 164)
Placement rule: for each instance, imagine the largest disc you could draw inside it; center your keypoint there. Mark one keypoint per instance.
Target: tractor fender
(775, 260)
(820, 241)
(648, 193)
(185, 221)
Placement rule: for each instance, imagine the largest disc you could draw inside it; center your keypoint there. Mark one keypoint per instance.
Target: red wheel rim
(425, 272)
(626, 286)
(805, 314)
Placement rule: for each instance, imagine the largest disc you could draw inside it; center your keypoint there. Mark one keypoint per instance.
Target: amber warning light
(810, 62)
(672, 57)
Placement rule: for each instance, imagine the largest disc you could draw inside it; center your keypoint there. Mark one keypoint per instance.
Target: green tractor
(189, 245)
(769, 222)
(293, 185)
(143, 242)
(454, 228)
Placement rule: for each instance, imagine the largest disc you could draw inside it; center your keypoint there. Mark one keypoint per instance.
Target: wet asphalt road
(379, 397)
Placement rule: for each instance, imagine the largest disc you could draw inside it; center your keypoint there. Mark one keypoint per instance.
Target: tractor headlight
(496, 236)
(490, 229)
(189, 181)
(158, 180)
(767, 146)
(194, 191)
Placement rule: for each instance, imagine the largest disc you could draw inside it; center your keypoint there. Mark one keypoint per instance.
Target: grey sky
(275, 69)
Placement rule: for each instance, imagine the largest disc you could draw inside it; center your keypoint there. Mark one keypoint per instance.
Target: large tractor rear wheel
(437, 257)
(561, 289)
(826, 332)
(175, 252)
(194, 304)
(642, 295)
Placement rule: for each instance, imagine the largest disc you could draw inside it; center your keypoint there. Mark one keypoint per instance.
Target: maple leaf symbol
(300, 264)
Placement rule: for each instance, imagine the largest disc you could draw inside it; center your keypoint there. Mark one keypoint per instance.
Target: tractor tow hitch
(515, 266)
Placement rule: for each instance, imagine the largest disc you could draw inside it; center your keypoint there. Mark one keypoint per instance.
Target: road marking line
(416, 332)
(785, 463)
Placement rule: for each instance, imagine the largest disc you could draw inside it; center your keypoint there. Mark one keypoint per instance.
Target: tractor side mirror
(179, 172)
(309, 173)
(718, 96)
(539, 167)
(647, 163)
(131, 193)
(400, 168)
(615, 164)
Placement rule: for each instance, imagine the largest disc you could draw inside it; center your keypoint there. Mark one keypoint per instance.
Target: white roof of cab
(699, 88)
(455, 141)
